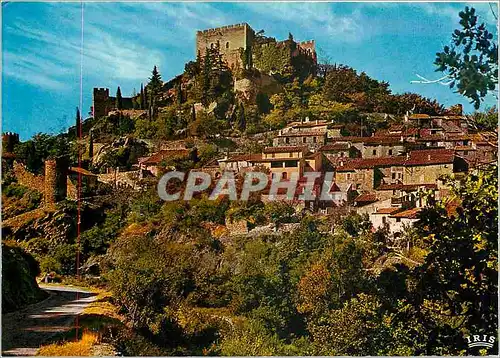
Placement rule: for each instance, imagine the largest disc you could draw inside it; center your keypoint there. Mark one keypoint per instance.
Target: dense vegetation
(313, 290)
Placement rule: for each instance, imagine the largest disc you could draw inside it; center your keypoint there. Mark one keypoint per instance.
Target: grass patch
(82, 347)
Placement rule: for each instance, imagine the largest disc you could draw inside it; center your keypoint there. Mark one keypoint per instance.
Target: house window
(384, 220)
(227, 44)
(287, 140)
(314, 139)
(393, 175)
(303, 139)
(284, 175)
(374, 152)
(466, 152)
(341, 154)
(390, 151)
(272, 155)
(290, 155)
(348, 176)
(398, 220)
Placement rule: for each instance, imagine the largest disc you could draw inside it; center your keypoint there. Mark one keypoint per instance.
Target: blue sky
(123, 41)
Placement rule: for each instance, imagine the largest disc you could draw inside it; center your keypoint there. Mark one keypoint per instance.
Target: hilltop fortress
(242, 47)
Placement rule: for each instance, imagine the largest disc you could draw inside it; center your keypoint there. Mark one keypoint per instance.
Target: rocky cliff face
(19, 271)
(54, 225)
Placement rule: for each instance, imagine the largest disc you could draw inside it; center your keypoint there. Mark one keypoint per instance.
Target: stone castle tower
(230, 40)
(9, 141)
(233, 40)
(100, 102)
(55, 184)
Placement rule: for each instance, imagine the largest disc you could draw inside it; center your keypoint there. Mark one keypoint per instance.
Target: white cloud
(314, 17)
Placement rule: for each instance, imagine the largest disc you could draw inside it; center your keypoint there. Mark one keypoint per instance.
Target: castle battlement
(222, 28)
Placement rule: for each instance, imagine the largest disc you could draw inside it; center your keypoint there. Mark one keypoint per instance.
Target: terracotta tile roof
(313, 155)
(366, 198)
(164, 154)
(405, 187)
(335, 146)
(418, 116)
(243, 158)
(8, 155)
(463, 147)
(416, 157)
(310, 124)
(387, 210)
(302, 134)
(387, 139)
(284, 149)
(407, 214)
(396, 127)
(82, 171)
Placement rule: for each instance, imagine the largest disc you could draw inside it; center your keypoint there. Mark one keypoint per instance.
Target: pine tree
(78, 123)
(119, 100)
(155, 82)
(142, 99)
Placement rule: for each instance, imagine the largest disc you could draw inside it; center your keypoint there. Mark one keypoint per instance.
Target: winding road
(24, 331)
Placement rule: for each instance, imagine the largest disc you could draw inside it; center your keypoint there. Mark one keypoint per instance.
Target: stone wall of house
(237, 227)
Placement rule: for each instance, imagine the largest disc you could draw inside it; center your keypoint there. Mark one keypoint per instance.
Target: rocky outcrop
(19, 271)
(54, 225)
(247, 88)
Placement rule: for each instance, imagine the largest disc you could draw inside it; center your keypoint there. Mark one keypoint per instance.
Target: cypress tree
(146, 99)
(242, 124)
(119, 100)
(78, 123)
(206, 84)
(91, 145)
(142, 99)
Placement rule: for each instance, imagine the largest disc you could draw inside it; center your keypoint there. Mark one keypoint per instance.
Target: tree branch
(426, 81)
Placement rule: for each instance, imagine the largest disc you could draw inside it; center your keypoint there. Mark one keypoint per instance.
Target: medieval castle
(240, 47)
(235, 40)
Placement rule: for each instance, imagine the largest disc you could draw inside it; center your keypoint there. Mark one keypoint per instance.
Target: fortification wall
(28, 179)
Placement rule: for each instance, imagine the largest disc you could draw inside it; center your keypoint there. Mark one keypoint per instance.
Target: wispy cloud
(313, 16)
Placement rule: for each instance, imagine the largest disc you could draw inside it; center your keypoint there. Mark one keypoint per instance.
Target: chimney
(407, 156)
(428, 157)
(402, 139)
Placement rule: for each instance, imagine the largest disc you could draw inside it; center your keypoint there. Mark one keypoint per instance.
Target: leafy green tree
(485, 121)
(458, 282)
(471, 63)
